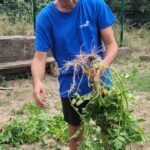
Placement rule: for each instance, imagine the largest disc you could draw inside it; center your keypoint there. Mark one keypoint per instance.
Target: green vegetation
(21, 10)
(3, 103)
(17, 10)
(20, 27)
(137, 76)
(17, 19)
(6, 77)
(17, 16)
(136, 12)
(107, 119)
(3, 81)
(137, 39)
(37, 127)
(140, 83)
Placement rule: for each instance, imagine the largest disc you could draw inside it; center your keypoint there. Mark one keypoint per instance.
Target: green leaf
(76, 95)
(127, 76)
(73, 101)
(31, 136)
(141, 120)
(118, 144)
(122, 139)
(137, 137)
(79, 102)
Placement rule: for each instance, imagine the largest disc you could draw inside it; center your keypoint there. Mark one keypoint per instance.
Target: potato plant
(108, 122)
(36, 128)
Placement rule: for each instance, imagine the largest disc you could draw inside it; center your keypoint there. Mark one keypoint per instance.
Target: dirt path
(142, 110)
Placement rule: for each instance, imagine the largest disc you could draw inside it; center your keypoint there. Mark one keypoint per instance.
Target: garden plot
(15, 99)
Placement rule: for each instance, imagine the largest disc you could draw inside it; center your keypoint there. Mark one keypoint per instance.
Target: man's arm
(38, 71)
(111, 46)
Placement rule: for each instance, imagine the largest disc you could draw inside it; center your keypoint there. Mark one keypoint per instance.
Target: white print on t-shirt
(85, 24)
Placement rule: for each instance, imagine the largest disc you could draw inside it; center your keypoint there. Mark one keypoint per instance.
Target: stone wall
(14, 48)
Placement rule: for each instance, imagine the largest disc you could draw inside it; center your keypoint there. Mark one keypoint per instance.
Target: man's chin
(69, 7)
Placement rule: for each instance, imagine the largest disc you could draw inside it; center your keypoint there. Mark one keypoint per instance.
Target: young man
(65, 27)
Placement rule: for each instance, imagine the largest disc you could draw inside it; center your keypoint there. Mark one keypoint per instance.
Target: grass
(138, 39)
(3, 103)
(139, 71)
(140, 83)
(148, 98)
(128, 59)
(3, 81)
(18, 28)
(133, 38)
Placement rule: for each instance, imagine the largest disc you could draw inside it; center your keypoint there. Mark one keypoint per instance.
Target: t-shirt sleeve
(105, 17)
(42, 41)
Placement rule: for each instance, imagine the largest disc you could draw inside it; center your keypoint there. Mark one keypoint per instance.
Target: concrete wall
(14, 48)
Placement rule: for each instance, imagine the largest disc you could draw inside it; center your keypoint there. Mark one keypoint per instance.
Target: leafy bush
(17, 10)
(21, 10)
(136, 12)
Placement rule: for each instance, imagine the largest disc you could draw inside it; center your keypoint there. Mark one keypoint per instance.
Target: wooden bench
(19, 66)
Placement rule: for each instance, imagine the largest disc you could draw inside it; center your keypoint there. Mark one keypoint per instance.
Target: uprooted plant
(107, 120)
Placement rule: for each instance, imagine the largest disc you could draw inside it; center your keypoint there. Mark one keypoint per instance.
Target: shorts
(70, 115)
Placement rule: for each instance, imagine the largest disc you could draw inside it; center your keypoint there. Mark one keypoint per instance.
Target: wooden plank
(19, 64)
(6, 88)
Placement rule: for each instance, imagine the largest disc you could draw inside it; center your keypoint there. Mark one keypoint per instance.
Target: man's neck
(65, 6)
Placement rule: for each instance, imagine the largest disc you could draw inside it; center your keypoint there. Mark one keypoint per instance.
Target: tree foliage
(137, 12)
(21, 10)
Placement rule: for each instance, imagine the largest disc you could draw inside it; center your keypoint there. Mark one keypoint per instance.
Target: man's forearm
(110, 45)
(38, 70)
(111, 53)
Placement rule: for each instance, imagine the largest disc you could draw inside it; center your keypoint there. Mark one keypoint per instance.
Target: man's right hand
(39, 93)
(38, 71)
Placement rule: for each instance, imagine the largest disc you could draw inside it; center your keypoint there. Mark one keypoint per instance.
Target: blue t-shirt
(65, 34)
